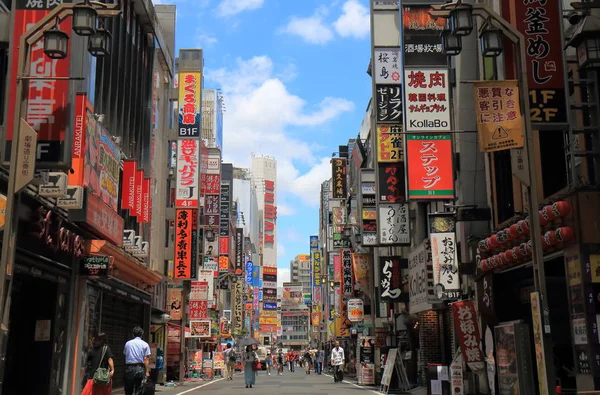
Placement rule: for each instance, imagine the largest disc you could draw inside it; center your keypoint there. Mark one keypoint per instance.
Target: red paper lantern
(483, 245)
(493, 242)
(484, 265)
(549, 239)
(523, 226)
(513, 232)
(523, 250)
(508, 256)
(561, 208)
(516, 253)
(546, 215)
(500, 259)
(564, 234)
(529, 247)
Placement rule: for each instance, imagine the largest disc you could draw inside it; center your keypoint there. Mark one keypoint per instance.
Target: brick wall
(430, 350)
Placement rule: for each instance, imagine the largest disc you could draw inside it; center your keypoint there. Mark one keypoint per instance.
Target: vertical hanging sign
(190, 99)
(188, 174)
(338, 173)
(183, 244)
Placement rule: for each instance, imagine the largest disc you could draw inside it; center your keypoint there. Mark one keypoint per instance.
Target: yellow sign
(595, 268)
(574, 271)
(190, 101)
(499, 120)
(2, 210)
(268, 320)
(390, 143)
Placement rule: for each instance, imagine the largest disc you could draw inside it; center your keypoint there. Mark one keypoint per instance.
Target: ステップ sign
(427, 100)
(430, 166)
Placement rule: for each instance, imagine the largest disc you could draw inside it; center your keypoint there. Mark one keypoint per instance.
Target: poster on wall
(444, 255)
(393, 224)
(427, 98)
(200, 328)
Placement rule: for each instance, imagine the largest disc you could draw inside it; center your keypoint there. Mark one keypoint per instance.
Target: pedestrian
(337, 361)
(230, 359)
(307, 361)
(99, 357)
(137, 361)
(250, 361)
(268, 362)
(290, 360)
(280, 362)
(319, 362)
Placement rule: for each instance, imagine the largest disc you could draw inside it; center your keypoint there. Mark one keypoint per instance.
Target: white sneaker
(269, 373)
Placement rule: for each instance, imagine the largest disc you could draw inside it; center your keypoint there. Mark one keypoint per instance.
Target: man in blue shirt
(137, 361)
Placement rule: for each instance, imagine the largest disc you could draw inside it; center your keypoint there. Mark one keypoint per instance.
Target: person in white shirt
(137, 361)
(337, 361)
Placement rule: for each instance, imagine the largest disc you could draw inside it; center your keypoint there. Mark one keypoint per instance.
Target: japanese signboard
(190, 100)
(446, 279)
(199, 290)
(356, 310)
(315, 257)
(238, 307)
(390, 143)
(538, 338)
(420, 278)
(211, 263)
(200, 328)
(347, 278)
(389, 104)
(239, 251)
(467, 328)
(386, 4)
(100, 217)
(499, 121)
(225, 209)
(175, 296)
(270, 213)
(212, 184)
(208, 277)
(430, 166)
(314, 242)
(48, 99)
(391, 182)
(198, 309)
(128, 185)
(188, 173)
(183, 244)
(427, 98)
(540, 21)
(390, 278)
(338, 174)
(388, 64)
(394, 227)
(421, 37)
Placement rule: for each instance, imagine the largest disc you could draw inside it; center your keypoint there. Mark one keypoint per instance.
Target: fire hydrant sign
(499, 120)
(427, 100)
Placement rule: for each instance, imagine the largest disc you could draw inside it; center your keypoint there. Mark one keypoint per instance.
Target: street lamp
(461, 19)
(99, 42)
(451, 44)
(56, 43)
(84, 18)
(491, 42)
(586, 39)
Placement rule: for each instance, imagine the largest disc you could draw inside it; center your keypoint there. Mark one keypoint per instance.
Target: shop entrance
(31, 337)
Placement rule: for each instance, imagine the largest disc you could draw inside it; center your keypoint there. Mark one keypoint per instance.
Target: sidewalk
(164, 390)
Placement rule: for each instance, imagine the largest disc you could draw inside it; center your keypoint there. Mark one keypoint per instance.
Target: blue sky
(293, 75)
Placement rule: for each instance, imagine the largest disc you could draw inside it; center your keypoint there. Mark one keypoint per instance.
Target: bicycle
(204, 374)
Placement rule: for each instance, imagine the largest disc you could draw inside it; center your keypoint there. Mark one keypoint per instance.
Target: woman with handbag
(250, 360)
(100, 368)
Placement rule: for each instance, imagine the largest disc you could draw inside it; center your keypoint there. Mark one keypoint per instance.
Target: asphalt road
(297, 383)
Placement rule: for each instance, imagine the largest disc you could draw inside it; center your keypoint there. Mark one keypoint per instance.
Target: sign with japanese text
(540, 21)
(390, 278)
(362, 268)
(389, 104)
(183, 243)
(270, 213)
(538, 340)
(427, 100)
(346, 266)
(103, 220)
(210, 263)
(188, 173)
(212, 184)
(239, 251)
(430, 166)
(128, 185)
(356, 310)
(225, 211)
(198, 309)
(391, 182)
(421, 37)
(47, 111)
(338, 174)
(420, 278)
(390, 143)
(315, 257)
(499, 121)
(208, 277)
(175, 296)
(199, 290)
(444, 256)
(466, 325)
(190, 101)
(393, 221)
(238, 308)
(314, 242)
(223, 263)
(388, 64)
(200, 328)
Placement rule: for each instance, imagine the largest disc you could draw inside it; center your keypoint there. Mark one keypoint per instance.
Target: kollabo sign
(427, 100)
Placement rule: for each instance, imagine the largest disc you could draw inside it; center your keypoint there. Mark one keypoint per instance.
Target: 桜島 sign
(430, 166)
(190, 99)
(389, 104)
(183, 244)
(467, 328)
(387, 66)
(188, 173)
(427, 100)
(390, 276)
(390, 143)
(393, 223)
(499, 121)
(338, 173)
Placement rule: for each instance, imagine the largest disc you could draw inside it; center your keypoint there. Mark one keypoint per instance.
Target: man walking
(291, 360)
(337, 360)
(231, 358)
(319, 361)
(137, 361)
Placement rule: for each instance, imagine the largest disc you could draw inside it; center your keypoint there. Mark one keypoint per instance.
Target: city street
(297, 383)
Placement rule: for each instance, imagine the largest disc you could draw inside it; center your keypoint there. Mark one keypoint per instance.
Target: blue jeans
(319, 367)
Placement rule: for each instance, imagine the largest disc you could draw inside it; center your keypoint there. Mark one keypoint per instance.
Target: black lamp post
(84, 19)
(56, 43)
(491, 42)
(99, 42)
(461, 19)
(586, 39)
(451, 44)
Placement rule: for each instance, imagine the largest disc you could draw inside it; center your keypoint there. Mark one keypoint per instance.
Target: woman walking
(268, 362)
(250, 360)
(99, 364)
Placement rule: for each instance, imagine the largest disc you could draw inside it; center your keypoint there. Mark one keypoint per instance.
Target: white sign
(388, 66)
(369, 239)
(56, 186)
(214, 164)
(128, 237)
(446, 278)
(420, 288)
(188, 173)
(393, 223)
(356, 310)
(208, 276)
(136, 246)
(427, 100)
(73, 199)
(143, 251)
(368, 188)
(456, 377)
(211, 263)
(386, 4)
(580, 331)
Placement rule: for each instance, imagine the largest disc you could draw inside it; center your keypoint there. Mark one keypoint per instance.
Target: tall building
(300, 272)
(212, 118)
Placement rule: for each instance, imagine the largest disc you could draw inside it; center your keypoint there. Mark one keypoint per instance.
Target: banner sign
(389, 104)
(466, 325)
(427, 98)
(498, 113)
(430, 166)
(139, 194)
(128, 185)
(238, 307)
(390, 278)
(190, 101)
(391, 182)
(421, 37)
(188, 173)
(338, 173)
(444, 256)
(225, 208)
(183, 244)
(420, 278)
(239, 251)
(146, 201)
(390, 143)
(394, 228)
(347, 278)
(270, 213)
(388, 64)
(316, 267)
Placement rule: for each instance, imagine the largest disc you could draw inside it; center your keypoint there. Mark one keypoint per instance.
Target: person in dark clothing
(307, 361)
(100, 356)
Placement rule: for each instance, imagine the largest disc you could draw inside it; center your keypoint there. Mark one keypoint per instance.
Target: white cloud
(283, 276)
(354, 20)
(234, 7)
(280, 249)
(311, 29)
(284, 210)
(204, 40)
(308, 186)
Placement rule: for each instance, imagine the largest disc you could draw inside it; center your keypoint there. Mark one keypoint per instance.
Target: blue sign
(314, 242)
(269, 306)
(255, 275)
(249, 272)
(260, 295)
(260, 283)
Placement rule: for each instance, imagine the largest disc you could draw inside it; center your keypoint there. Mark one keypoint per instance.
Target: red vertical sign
(467, 328)
(79, 132)
(138, 200)
(183, 244)
(145, 217)
(128, 185)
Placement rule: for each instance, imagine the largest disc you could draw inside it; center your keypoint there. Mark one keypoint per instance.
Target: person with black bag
(100, 368)
(250, 360)
(230, 360)
(137, 361)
